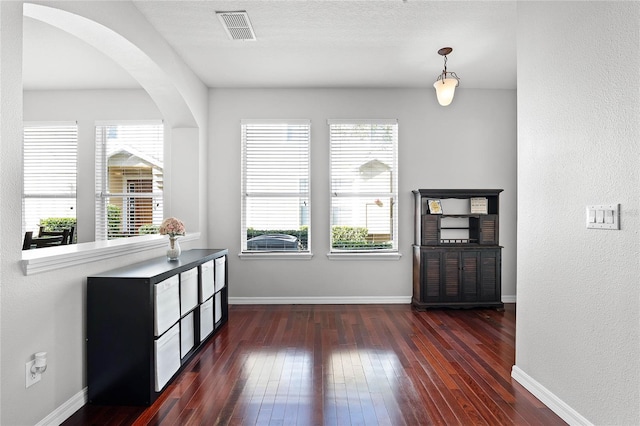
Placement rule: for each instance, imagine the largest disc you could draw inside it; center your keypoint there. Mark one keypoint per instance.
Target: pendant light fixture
(446, 82)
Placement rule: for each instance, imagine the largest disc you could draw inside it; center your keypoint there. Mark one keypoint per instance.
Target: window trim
(60, 257)
(361, 255)
(73, 196)
(254, 255)
(102, 175)
(283, 255)
(384, 254)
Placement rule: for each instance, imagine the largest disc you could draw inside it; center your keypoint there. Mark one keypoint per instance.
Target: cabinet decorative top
(453, 193)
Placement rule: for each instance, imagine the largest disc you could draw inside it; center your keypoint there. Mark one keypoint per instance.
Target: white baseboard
(509, 298)
(548, 398)
(353, 300)
(66, 410)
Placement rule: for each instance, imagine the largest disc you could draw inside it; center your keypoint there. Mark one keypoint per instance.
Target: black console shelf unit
(147, 320)
(457, 259)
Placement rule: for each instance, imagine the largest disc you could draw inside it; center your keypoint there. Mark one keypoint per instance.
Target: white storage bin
(167, 355)
(166, 303)
(220, 272)
(206, 319)
(188, 290)
(187, 334)
(206, 281)
(218, 311)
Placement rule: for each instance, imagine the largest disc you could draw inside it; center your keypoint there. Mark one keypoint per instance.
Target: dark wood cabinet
(457, 276)
(456, 256)
(145, 322)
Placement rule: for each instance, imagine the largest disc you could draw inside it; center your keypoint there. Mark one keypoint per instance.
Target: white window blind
(364, 185)
(129, 179)
(49, 173)
(275, 186)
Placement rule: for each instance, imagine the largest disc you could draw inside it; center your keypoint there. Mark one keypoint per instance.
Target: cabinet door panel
(451, 276)
(431, 262)
(430, 230)
(490, 280)
(488, 229)
(470, 275)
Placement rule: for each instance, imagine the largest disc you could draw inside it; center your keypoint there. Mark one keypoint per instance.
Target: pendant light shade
(446, 82)
(445, 89)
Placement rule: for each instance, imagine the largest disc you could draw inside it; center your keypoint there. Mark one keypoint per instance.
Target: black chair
(66, 234)
(26, 244)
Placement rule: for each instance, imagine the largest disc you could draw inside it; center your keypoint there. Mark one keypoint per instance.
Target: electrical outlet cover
(31, 379)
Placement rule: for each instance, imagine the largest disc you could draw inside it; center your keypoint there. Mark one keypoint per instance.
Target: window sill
(52, 258)
(365, 256)
(276, 255)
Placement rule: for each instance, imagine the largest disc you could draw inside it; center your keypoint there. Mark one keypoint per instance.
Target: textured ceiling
(302, 44)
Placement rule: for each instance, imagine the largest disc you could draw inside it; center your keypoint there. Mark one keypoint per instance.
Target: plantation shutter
(275, 185)
(129, 179)
(49, 172)
(364, 185)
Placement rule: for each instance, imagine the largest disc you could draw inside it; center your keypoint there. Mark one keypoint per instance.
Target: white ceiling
(317, 43)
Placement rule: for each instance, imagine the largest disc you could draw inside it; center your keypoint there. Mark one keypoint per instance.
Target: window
(49, 174)
(275, 186)
(364, 185)
(129, 179)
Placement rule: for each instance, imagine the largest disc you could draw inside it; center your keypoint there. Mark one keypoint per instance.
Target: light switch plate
(603, 216)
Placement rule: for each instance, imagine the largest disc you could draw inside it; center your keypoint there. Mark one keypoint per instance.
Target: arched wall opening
(147, 64)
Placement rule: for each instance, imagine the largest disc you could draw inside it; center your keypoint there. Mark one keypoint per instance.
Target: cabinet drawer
(166, 302)
(218, 308)
(206, 319)
(187, 334)
(167, 356)
(207, 285)
(220, 272)
(188, 290)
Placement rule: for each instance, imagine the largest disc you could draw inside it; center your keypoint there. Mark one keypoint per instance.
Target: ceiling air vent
(237, 25)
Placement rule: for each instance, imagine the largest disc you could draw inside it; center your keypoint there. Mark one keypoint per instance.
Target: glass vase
(174, 250)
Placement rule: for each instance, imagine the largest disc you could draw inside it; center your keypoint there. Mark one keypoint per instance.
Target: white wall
(578, 328)
(10, 132)
(45, 311)
(86, 107)
(470, 144)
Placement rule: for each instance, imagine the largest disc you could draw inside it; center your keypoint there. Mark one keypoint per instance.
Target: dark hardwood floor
(345, 365)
